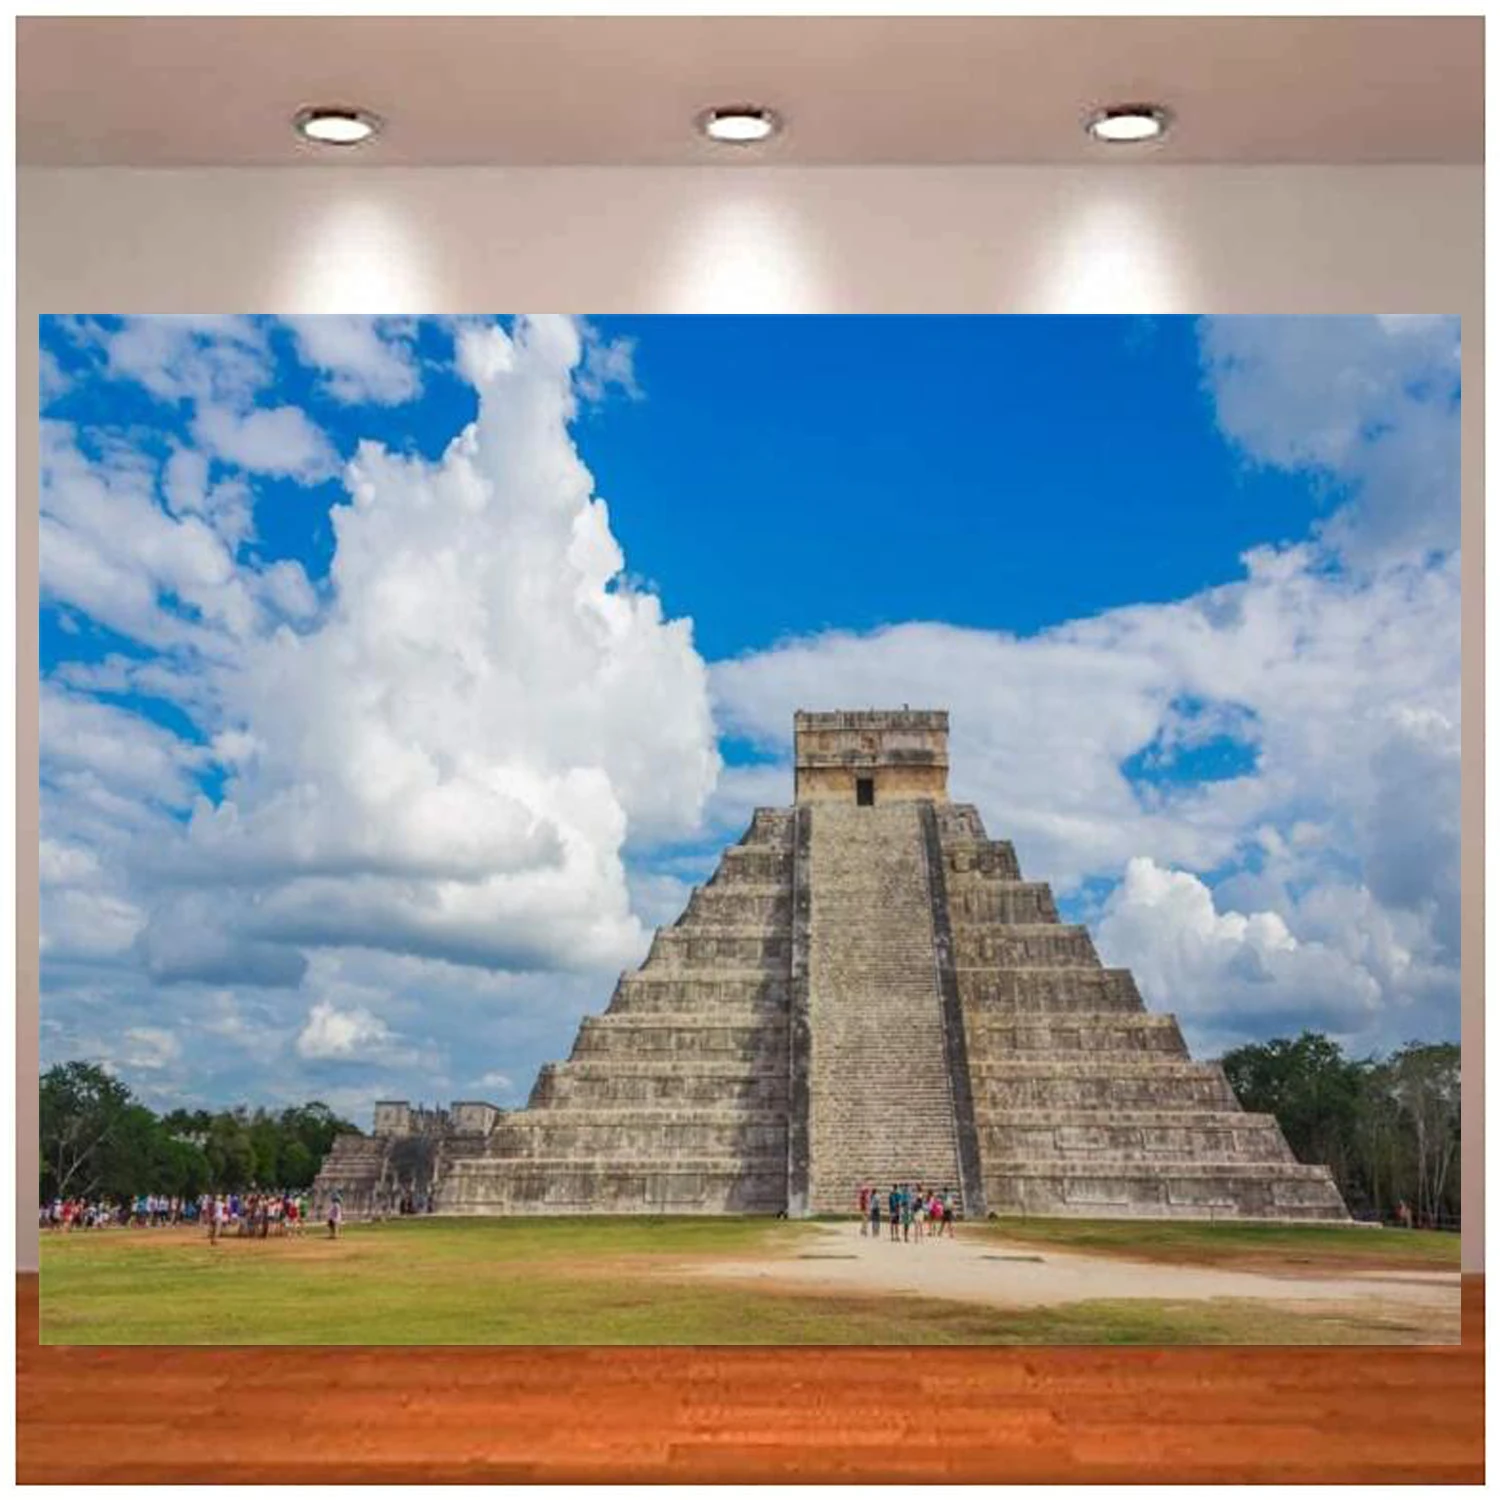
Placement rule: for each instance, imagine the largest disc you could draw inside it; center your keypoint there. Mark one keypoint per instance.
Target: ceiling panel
(187, 91)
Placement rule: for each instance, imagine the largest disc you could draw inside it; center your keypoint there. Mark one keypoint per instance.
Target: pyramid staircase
(881, 1102)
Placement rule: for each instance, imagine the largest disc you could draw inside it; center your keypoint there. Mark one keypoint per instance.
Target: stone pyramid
(866, 990)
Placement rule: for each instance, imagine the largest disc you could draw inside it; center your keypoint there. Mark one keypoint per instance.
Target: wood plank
(1100, 1415)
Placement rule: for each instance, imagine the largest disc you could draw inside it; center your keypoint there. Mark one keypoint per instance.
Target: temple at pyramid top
(872, 756)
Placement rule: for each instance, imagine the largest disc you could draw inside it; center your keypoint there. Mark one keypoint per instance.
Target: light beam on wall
(743, 252)
(1114, 253)
(357, 255)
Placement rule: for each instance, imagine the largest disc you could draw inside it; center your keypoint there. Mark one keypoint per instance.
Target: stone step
(719, 889)
(627, 1137)
(714, 1068)
(770, 827)
(886, 1153)
(696, 948)
(353, 1147)
(1090, 1083)
(738, 906)
(671, 1083)
(979, 859)
(959, 821)
(754, 863)
(860, 1106)
(739, 985)
(346, 1181)
(1023, 945)
(1207, 1119)
(1085, 1067)
(1123, 1136)
(679, 1037)
(998, 1040)
(713, 1020)
(648, 1114)
(1253, 1171)
(725, 1014)
(648, 1002)
(357, 1167)
(972, 903)
(725, 1162)
(1163, 1189)
(1047, 991)
(569, 1186)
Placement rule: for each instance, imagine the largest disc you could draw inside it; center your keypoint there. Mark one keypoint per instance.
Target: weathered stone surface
(859, 992)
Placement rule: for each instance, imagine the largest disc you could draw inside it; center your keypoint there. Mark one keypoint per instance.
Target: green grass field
(1303, 1247)
(574, 1281)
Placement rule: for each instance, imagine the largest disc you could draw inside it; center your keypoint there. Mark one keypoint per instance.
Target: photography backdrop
(1107, 239)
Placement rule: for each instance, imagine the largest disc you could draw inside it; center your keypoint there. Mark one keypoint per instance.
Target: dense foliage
(1388, 1129)
(99, 1141)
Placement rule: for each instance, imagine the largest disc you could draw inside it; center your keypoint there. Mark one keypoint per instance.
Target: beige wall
(975, 239)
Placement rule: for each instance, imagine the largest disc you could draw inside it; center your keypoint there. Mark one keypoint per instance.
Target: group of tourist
(144, 1211)
(907, 1208)
(256, 1215)
(82, 1213)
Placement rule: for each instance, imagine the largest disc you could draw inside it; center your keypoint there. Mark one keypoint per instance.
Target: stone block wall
(392, 1117)
(473, 1117)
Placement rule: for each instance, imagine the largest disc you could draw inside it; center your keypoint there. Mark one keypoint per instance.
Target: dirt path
(1014, 1274)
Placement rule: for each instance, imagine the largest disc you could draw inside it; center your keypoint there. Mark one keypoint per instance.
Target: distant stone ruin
(866, 990)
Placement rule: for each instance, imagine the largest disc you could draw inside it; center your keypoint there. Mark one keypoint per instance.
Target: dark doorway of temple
(864, 791)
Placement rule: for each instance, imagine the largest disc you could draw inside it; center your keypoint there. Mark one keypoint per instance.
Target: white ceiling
(170, 91)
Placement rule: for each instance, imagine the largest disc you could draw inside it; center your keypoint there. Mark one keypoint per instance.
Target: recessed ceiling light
(739, 124)
(1129, 124)
(336, 125)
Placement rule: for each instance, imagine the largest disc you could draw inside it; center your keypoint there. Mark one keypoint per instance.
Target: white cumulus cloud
(1370, 402)
(1228, 974)
(149, 1047)
(360, 359)
(277, 440)
(341, 1034)
(449, 754)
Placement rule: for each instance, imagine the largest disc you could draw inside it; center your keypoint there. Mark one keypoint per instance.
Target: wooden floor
(318, 1415)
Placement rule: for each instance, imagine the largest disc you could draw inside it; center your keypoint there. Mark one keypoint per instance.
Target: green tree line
(99, 1141)
(1388, 1129)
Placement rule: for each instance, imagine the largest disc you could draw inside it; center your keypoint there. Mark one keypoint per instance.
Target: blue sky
(766, 479)
(368, 760)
